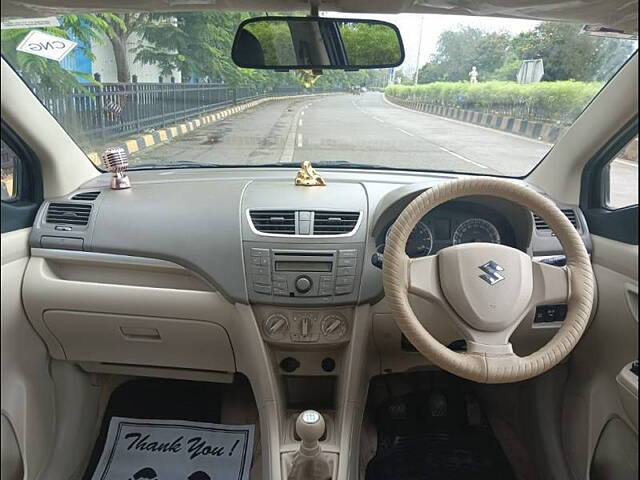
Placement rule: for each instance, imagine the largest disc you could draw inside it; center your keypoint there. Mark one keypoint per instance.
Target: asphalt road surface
(350, 128)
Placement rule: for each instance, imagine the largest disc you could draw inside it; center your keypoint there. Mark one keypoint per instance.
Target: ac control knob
(303, 284)
(276, 326)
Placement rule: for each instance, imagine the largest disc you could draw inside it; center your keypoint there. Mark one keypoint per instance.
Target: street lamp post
(415, 78)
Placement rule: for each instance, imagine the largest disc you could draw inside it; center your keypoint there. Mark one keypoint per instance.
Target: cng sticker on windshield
(45, 45)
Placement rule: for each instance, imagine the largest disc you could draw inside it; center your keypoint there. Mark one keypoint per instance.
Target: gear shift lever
(309, 463)
(310, 428)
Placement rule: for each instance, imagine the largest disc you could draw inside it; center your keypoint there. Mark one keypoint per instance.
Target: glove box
(140, 340)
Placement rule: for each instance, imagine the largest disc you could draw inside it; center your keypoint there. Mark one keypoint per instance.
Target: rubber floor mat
(439, 434)
(161, 400)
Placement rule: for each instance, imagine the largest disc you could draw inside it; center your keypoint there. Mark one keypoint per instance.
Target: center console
(303, 250)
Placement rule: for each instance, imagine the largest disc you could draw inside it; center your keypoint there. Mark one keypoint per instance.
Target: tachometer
(476, 230)
(420, 242)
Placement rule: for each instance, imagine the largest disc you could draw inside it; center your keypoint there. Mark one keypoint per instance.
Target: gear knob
(310, 428)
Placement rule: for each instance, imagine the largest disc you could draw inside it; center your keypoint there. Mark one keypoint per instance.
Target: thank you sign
(137, 449)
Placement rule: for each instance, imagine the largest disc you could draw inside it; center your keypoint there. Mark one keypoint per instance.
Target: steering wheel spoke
(424, 280)
(550, 284)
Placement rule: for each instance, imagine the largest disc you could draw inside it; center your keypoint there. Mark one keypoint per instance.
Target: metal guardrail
(115, 110)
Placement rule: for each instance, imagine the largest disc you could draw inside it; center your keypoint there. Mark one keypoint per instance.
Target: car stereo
(296, 274)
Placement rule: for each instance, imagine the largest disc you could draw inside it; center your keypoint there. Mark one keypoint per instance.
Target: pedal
(474, 412)
(398, 411)
(437, 405)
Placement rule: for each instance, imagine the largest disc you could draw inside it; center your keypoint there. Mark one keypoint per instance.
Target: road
(354, 128)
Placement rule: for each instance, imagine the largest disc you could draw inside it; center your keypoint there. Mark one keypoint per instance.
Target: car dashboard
(154, 276)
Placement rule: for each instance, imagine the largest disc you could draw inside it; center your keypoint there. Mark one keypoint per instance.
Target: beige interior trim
(501, 366)
(28, 393)
(560, 174)
(64, 166)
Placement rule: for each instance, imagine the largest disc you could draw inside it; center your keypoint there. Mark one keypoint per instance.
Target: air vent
(334, 223)
(541, 225)
(282, 222)
(86, 196)
(69, 213)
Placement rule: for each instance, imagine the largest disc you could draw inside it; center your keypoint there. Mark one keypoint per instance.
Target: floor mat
(161, 400)
(437, 434)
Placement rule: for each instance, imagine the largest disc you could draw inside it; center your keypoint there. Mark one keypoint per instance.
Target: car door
(26, 421)
(600, 414)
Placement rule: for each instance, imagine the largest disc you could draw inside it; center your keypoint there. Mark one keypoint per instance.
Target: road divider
(542, 131)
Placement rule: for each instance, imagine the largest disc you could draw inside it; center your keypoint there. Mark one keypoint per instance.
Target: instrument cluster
(455, 223)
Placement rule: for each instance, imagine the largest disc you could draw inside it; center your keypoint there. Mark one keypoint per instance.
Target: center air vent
(542, 226)
(69, 213)
(86, 196)
(281, 222)
(335, 223)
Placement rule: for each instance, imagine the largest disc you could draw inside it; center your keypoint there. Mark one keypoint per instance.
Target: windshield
(481, 95)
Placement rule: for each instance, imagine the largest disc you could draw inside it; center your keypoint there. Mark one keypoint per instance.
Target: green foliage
(275, 40)
(459, 50)
(45, 74)
(370, 44)
(195, 43)
(556, 101)
(566, 54)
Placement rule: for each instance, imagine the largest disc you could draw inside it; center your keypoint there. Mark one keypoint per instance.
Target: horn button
(488, 285)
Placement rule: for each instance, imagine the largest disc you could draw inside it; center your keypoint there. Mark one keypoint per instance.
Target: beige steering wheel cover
(485, 367)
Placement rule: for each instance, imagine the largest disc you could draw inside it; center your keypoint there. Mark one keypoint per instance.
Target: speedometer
(420, 242)
(476, 230)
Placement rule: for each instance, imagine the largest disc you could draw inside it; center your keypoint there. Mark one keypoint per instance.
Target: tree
(370, 44)
(459, 50)
(122, 26)
(568, 55)
(198, 44)
(47, 74)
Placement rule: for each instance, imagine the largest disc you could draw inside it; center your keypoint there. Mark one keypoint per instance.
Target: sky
(409, 26)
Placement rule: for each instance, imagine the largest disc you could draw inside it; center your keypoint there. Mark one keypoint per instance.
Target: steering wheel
(487, 289)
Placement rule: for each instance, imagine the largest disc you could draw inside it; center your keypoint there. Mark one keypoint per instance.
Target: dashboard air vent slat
(282, 222)
(541, 225)
(86, 196)
(335, 223)
(69, 213)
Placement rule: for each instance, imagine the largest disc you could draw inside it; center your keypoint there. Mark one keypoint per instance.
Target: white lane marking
(462, 158)
(300, 123)
(299, 140)
(302, 113)
(378, 119)
(405, 132)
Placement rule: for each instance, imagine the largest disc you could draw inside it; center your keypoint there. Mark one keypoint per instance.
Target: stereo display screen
(290, 266)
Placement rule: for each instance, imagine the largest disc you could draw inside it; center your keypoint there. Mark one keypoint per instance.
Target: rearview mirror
(299, 43)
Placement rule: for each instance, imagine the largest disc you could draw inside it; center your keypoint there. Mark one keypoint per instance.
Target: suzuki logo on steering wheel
(491, 275)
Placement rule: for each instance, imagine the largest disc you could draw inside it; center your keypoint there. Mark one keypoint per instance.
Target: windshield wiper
(181, 164)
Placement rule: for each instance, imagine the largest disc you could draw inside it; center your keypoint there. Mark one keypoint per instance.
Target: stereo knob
(303, 284)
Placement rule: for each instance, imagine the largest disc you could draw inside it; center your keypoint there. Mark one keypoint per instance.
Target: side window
(621, 180)
(21, 187)
(9, 165)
